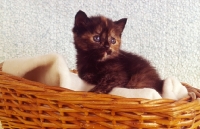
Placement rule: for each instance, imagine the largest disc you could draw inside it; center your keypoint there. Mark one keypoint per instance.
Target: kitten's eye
(96, 38)
(113, 40)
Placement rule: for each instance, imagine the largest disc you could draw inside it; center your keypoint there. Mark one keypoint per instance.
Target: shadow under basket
(27, 104)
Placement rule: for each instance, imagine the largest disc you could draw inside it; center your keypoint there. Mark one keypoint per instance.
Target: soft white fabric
(52, 70)
(48, 69)
(173, 89)
(146, 93)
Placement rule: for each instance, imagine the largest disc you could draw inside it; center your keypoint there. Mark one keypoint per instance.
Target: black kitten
(101, 62)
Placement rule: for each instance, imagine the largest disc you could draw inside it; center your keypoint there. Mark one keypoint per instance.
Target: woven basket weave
(26, 104)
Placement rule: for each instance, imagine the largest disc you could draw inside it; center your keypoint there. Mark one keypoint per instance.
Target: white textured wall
(167, 32)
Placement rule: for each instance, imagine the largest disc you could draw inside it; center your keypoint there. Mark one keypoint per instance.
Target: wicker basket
(26, 104)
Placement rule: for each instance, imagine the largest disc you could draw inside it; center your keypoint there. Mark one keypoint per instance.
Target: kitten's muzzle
(109, 52)
(106, 46)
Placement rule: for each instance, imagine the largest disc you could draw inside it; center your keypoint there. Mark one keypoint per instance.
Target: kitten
(101, 62)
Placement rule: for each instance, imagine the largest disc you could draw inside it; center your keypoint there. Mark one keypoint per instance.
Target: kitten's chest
(100, 67)
(94, 71)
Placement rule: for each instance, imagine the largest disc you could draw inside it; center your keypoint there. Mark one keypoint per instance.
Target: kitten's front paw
(88, 78)
(98, 90)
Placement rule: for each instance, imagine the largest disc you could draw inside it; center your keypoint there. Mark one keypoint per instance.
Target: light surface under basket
(27, 104)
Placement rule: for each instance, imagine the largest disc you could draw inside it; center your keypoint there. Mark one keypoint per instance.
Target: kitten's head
(97, 35)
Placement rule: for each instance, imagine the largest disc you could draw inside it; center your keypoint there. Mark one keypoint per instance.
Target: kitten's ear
(121, 23)
(81, 18)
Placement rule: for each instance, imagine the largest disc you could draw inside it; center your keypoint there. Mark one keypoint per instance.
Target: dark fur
(103, 63)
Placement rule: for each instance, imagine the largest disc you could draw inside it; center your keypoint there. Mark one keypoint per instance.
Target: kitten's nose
(106, 46)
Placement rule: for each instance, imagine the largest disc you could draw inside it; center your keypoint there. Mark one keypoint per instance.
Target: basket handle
(193, 92)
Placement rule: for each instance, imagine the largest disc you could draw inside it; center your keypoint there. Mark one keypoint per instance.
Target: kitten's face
(99, 36)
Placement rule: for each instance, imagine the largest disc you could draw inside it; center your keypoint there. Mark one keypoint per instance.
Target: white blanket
(52, 70)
